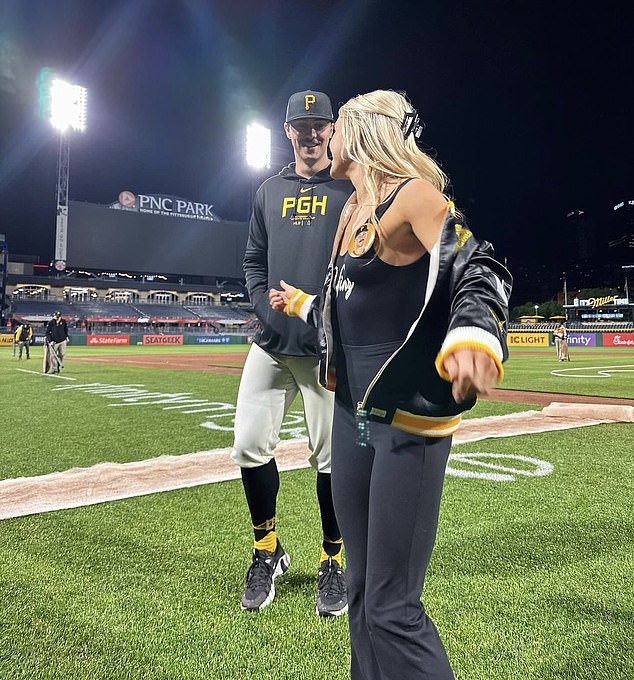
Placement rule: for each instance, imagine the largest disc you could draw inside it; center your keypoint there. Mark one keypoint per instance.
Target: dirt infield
(232, 362)
(110, 481)
(229, 363)
(115, 481)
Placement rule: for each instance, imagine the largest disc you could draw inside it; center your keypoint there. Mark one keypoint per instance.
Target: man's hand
(472, 373)
(278, 299)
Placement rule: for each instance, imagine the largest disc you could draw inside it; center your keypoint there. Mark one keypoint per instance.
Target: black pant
(387, 497)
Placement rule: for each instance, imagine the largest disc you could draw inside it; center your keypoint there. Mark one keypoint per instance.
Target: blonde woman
(412, 328)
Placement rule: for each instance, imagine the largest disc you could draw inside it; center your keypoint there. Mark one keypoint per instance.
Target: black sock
(329, 525)
(261, 485)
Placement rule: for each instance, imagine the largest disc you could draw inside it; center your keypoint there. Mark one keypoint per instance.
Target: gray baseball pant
(269, 384)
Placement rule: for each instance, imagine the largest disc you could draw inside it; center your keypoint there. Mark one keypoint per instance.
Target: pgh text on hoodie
(291, 231)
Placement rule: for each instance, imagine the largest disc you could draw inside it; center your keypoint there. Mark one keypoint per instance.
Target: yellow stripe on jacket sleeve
(466, 344)
(470, 337)
(295, 302)
(299, 304)
(425, 426)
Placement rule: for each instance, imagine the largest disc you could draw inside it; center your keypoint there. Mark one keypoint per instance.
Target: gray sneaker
(259, 590)
(332, 599)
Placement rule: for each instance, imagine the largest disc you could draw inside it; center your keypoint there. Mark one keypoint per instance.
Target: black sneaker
(332, 599)
(259, 590)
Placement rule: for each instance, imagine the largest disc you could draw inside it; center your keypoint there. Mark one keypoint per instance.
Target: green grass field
(531, 578)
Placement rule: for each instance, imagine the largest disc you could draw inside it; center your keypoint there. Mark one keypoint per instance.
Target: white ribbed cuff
(471, 334)
(304, 309)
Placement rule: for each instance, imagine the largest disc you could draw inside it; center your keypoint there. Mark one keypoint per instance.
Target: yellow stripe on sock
(268, 543)
(338, 557)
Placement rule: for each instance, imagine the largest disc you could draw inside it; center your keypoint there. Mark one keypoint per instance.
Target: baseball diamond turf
(531, 577)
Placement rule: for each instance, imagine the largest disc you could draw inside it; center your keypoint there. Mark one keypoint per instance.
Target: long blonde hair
(372, 134)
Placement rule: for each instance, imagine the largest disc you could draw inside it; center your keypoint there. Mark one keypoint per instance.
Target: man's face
(309, 137)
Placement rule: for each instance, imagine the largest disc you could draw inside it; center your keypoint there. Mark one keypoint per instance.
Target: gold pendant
(361, 240)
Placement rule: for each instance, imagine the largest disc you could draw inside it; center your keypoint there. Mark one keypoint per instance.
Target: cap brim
(313, 116)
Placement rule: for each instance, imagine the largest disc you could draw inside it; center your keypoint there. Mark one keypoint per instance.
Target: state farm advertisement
(162, 339)
(618, 340)
(107, 340)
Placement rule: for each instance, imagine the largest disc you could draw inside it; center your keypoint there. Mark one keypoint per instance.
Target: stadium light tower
(64, 105)
(258, 146)
(258, 155)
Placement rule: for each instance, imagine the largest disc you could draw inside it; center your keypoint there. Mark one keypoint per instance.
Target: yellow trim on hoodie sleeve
(295, 302)
(466, 344)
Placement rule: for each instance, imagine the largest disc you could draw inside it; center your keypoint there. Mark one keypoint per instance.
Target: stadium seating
(42, 310)
(163, 312)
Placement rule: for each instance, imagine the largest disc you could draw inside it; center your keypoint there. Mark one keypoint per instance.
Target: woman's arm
(471, 357)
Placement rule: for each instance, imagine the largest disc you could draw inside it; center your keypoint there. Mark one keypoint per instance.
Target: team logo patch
(463, 235)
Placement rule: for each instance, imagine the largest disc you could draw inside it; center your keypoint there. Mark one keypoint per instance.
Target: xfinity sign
(156, 204)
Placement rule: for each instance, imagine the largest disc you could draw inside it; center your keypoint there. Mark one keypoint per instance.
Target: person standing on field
(23, 337)
(55, 343)
(561, 342)
(295, 213)
(412, 328)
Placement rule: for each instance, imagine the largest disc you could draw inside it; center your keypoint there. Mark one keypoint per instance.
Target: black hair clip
(411, 125)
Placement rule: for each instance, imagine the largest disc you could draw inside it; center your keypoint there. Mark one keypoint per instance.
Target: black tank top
(377, 302)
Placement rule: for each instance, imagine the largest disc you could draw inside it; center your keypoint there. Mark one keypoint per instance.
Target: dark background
(528, 106)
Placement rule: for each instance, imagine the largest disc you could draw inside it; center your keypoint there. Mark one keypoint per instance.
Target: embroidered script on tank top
(342, 282)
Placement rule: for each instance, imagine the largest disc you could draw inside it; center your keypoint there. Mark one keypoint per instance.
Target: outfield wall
(154, 340)
(515, 340)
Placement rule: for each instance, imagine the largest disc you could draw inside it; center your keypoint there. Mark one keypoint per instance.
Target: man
(55, 344)
(295, 214)
(23, 337)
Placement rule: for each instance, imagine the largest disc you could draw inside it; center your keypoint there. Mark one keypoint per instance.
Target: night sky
(528, 105)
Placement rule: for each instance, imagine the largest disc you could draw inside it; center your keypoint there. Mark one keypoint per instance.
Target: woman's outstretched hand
(278, 299)
(472, 373)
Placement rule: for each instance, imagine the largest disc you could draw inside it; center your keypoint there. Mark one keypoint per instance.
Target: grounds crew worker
(295, 213)
(56, 341)
(23, 337)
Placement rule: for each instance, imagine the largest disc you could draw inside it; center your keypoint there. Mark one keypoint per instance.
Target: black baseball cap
(309, 104)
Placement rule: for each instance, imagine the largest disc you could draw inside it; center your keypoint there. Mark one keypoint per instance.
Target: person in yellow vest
(23, 337)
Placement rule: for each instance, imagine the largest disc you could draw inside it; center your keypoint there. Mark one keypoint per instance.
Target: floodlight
(67, 106)
(64, 106)
(258, 146)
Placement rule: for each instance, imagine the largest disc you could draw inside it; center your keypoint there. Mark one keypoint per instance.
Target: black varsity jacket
(465, 305)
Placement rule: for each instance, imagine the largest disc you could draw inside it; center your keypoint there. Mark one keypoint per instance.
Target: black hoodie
(292, 228)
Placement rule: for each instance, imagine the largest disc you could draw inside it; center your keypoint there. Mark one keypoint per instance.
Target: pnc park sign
(158, 204)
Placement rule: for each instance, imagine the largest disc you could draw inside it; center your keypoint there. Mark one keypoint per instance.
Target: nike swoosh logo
(303, 191)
